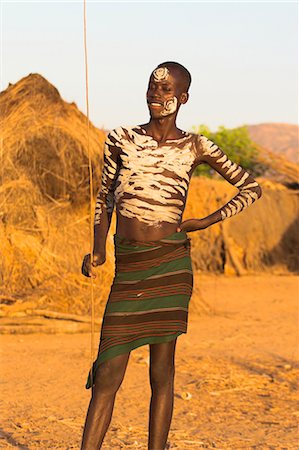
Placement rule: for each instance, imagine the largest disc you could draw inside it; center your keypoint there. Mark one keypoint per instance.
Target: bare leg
(108, 379)
(162, 372)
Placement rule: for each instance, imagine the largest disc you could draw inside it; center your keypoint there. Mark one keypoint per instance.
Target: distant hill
(280, 138)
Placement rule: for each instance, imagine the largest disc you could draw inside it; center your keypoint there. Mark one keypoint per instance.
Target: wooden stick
(59, 315)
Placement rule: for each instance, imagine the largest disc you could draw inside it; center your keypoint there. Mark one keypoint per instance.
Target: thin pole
(92, 315)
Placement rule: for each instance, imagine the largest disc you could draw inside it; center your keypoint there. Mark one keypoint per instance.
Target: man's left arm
(249, 189)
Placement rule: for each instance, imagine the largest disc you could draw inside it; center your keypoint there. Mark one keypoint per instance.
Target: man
(146, 174)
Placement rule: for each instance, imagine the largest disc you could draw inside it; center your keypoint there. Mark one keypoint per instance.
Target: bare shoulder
(207, 148)
(116, 136)
(197, 142)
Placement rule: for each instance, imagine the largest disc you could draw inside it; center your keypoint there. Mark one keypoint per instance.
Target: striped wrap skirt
(149, 297)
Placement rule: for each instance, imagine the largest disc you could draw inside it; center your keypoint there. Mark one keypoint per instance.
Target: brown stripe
(153, 277)
(129, 328)
(129, 313)
(141, 328)
(145, 255)
(118, 253)
(151, 282)
(142, 289)
(159, 315)
(147, 294)
(153, 262)
(105, 345)
(165, 242)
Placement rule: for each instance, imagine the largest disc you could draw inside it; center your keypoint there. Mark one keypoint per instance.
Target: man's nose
(157, 92)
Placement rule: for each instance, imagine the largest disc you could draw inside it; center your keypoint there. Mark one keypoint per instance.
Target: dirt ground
(235, 382)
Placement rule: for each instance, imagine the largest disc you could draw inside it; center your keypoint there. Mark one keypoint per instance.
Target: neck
(163, 129)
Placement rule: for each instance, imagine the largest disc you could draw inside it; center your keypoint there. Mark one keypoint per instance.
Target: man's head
(167, 89)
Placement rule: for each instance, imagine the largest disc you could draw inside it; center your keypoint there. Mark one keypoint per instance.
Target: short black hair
(184, 72)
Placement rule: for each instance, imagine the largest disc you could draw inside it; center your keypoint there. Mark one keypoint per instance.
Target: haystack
(44, 194)
(44, 145)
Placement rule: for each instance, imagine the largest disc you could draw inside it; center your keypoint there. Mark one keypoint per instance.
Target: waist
(176, 238)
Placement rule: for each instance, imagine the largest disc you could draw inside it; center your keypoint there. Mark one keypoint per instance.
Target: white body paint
(153, 180)
(105, 198)
(149, 182)
(247, 195)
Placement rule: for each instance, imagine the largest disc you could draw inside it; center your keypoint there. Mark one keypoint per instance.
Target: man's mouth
(155, 104)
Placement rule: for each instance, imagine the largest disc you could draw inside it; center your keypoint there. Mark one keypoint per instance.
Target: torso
(152, 184)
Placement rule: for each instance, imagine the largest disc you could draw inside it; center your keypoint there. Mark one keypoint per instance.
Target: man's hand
(87, 268)
(194, 225)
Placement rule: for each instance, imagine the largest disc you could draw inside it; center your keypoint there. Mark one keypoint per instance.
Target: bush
(236, 143)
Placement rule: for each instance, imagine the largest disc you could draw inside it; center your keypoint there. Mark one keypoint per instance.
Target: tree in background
(236, 143)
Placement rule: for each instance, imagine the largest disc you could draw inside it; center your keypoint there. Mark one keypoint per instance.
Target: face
(164, 94)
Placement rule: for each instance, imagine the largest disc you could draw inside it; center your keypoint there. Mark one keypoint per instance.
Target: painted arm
(105, 197)
(249, 190)
(103, 208)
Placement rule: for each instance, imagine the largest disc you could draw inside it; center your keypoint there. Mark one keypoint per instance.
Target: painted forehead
(161, 74)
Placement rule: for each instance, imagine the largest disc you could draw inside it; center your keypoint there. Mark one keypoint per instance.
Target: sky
(243, 56)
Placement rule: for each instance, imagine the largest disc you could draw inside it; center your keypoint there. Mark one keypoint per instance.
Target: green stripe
(176, 236)
(127, 248)
(178, 264)
(136, 250)
(147, 305)
(125, 348)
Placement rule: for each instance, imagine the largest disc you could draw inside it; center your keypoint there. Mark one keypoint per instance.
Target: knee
(162, 377)
(107, 380)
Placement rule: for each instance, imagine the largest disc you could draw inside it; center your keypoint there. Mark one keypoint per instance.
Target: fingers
(95, 261)
(188, 225)
(86, 268)
(98, 259)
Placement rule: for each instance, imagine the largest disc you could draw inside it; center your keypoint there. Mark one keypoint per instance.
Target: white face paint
(170, 106)
(161, 74)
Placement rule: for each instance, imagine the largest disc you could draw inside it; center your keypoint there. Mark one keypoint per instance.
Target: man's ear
(184, 97)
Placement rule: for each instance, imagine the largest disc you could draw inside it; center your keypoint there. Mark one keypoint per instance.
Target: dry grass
(44, 145)
(44, 192)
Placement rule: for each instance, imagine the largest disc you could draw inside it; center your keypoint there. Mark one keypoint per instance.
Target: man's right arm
(105, 198)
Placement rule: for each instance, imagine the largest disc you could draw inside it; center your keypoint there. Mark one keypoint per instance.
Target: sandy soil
(235, 385)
